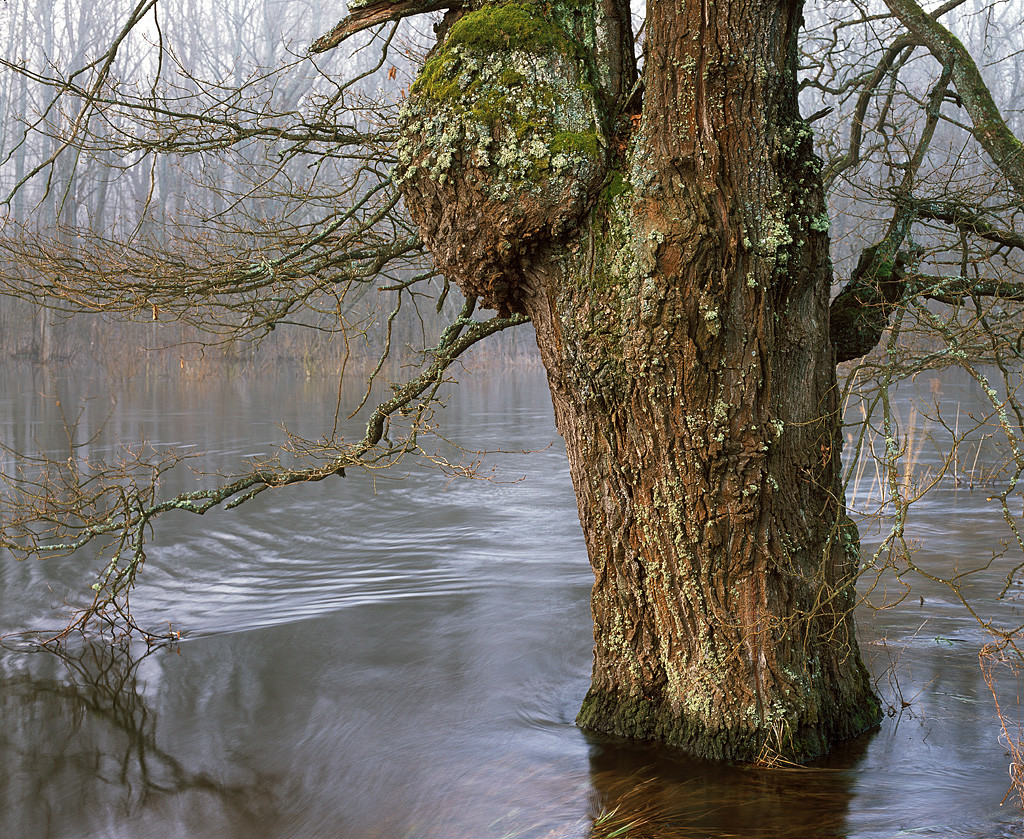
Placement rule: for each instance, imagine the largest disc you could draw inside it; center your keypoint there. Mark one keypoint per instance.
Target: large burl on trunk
(670, 244)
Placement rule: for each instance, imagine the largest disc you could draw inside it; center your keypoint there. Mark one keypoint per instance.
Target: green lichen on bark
(520, 117)
(799, 208)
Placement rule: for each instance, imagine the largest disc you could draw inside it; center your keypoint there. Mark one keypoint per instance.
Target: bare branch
(970, 220)
(990, 128)
(365, 15)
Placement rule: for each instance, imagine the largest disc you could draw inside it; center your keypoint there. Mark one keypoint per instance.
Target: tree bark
(681, 311)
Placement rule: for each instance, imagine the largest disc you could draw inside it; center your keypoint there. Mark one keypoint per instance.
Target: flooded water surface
(403, 656)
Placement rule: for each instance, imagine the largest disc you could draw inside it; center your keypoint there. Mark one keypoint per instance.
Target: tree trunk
(681, 311)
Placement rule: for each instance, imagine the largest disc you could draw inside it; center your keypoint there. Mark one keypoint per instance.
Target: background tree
(927, 168)
(924, 177)
(665, 230)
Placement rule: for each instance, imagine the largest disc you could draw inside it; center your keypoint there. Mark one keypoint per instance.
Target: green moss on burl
(512, 26)
(574, 142)
(518, 26)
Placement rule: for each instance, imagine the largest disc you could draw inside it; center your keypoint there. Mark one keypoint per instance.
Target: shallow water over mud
(404, 658)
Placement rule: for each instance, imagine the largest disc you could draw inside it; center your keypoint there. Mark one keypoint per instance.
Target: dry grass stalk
(992, 658)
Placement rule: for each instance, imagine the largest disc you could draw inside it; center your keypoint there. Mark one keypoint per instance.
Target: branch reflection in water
(78, 728)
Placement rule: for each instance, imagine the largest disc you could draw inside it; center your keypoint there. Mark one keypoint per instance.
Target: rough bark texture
(681, 312)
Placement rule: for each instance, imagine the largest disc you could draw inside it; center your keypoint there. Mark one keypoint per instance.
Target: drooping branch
(189, 124)
(271, 242)
(61, 505)
(241, 294)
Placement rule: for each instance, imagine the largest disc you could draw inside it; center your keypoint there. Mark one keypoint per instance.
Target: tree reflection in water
(79, 736)
(646, 793)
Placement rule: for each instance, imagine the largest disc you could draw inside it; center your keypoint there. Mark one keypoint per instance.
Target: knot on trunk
(499, 148)
(860, 313)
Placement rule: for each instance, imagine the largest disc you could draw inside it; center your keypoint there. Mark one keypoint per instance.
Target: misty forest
(539, 418)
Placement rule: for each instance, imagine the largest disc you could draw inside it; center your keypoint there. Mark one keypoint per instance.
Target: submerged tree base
(636, 717)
